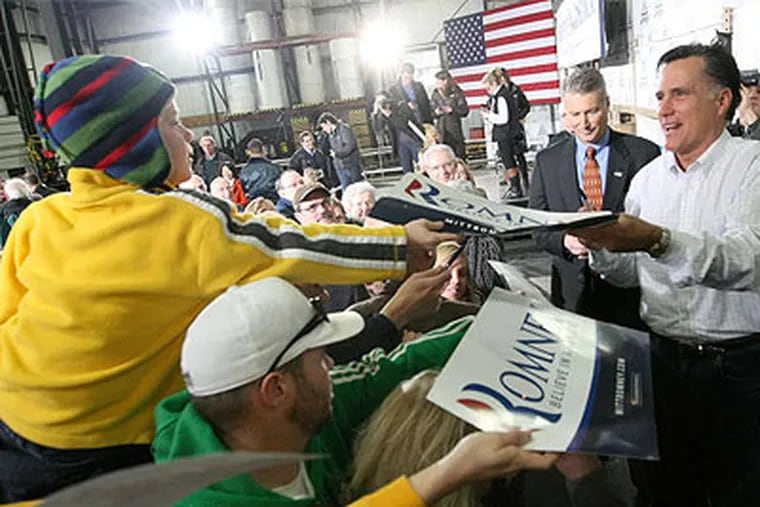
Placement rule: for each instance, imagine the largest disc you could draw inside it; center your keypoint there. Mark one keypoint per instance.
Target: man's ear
(276, 389)
(725, 96)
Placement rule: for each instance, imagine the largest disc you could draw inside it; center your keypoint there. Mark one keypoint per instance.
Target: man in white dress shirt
(691, 237)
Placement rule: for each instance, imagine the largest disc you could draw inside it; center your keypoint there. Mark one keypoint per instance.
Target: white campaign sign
(517, 281)
(522, 365)
(471, 212)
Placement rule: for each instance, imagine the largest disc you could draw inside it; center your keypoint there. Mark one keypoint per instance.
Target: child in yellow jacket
(98, 285)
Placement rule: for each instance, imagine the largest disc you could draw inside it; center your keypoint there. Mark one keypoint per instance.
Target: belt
(707, 349)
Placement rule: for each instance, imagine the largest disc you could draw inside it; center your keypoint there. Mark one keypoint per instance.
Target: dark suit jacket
(423, 104)
(555, 188)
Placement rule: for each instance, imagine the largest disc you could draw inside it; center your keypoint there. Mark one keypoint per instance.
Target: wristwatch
(661, 246)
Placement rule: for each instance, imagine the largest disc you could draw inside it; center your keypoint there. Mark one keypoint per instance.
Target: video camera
(750, 77)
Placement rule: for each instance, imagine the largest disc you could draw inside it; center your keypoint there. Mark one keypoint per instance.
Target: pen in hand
(456, 254)
(585, 203)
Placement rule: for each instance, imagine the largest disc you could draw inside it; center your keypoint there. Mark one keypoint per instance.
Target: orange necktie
(592, 181)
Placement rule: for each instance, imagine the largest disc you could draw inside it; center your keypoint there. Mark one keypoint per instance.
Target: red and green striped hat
(101, 112)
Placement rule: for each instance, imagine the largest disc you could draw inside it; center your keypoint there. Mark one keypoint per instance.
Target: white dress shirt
(707, 285)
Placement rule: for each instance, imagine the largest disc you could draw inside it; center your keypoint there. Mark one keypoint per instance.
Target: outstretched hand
(478, 457)
(422, 237)
(418, 296)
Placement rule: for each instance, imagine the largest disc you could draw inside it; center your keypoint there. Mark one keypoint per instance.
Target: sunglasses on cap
(319, 317)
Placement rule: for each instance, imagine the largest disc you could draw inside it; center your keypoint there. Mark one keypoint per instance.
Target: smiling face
(176, 138)
(460, 276)
(691, 109)
(439, 165)
(587, 115)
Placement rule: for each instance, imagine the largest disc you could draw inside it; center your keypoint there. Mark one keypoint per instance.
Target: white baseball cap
(240, 335)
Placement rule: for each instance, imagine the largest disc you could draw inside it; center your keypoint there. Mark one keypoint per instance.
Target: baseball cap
(305, 191)
(239, 336)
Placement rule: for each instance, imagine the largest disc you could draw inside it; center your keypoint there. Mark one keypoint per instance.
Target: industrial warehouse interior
(379, 252)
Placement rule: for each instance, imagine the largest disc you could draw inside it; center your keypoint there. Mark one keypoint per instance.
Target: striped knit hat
(101, 112)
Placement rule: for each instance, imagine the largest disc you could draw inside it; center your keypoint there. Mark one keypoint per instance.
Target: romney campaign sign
(416, 196)
(584, 385)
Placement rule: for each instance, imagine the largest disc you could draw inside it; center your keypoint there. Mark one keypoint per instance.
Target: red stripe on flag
(518, 20)
(520, 37)
(549, 100)
(122, 150)
(541, 85)
(533, 102)
(518, 71)
(85, 92)
(516, 6)
(526, 53)
(534, 69)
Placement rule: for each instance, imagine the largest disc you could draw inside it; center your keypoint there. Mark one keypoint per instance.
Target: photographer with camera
(404, 127)
(747, 123)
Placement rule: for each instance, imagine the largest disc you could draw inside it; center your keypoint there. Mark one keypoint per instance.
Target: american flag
(518, 37)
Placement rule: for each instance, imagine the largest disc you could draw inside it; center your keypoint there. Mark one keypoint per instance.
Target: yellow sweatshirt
(398, 493)
(97, 289)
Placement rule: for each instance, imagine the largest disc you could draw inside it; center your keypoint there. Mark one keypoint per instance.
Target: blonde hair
(443, 254)
(494, 76)
(445, 251)
(406, 434)
(432, 135)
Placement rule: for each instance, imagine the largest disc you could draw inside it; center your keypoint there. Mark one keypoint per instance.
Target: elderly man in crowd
(439, 163)
(276, 393)
(693, 246)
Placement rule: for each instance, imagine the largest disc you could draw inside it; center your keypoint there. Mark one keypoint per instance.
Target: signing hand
(627, 234)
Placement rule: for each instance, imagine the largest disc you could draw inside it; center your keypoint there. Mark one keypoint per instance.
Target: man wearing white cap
(258, 379)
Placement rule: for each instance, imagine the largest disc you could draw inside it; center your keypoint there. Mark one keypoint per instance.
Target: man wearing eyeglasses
(439, 162)
(258, 379)
(313, 204)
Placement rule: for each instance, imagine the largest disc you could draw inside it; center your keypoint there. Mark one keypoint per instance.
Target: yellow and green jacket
(98, 286)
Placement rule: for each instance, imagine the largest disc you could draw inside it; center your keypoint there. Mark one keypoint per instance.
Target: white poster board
(582, 385)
